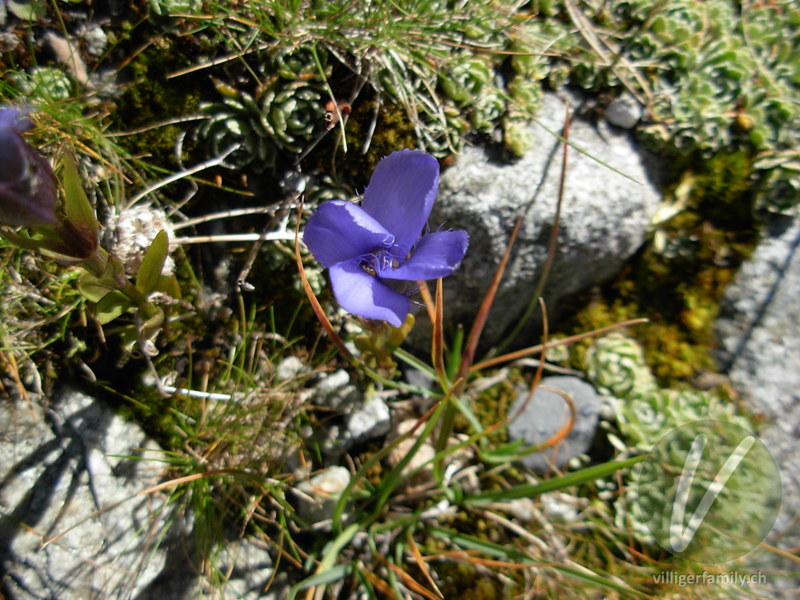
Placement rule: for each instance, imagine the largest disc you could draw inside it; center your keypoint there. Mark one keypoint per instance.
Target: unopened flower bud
(28, 196)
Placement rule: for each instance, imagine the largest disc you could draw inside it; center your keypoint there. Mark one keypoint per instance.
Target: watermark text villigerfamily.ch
(709, 578)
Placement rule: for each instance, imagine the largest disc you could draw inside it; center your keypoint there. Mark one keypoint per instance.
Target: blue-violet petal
(339, 231)
(437, 255)
(359, 293)
(400, 194)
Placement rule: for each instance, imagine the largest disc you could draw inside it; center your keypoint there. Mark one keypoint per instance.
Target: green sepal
(110, 306)
(95, 288)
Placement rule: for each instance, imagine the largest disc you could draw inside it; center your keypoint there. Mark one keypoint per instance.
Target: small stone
(8, 41)
(547, 413)
(522, 509)
(334, 440)
(318, 496)
(333, 382)
(336, 392)
(561, 507)
(289, 368)
(624, 112)
(420, 379)
(424, 454)
(370, 421)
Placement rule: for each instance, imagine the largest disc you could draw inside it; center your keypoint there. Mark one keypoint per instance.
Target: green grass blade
(556, 483)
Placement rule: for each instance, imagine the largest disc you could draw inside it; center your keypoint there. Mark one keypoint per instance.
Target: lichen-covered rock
(759, 333)
(71, 474)
(604, 217)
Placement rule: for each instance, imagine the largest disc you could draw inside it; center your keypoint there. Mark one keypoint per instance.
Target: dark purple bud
(28, 195)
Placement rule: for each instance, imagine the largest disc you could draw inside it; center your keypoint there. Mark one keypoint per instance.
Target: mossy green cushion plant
(645, 413)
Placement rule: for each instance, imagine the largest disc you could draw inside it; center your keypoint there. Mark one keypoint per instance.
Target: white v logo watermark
(680, 537)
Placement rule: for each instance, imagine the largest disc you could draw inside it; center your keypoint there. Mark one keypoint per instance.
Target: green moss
(462, 580)
(152, 98)
(679, 278)
(393, 131)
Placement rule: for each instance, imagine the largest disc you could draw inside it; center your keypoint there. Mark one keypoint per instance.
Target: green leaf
(77, 208)
(111, 306)
(149, 273)
(168, 284)
(331, 575)
(27, 11)
(92, 288)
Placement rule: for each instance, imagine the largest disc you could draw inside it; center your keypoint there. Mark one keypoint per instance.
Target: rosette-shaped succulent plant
(438, 122)
(280, 116)
(645, 414)
(46, 84)
(469, 83)
(644, 411)
(644, 419)
(615, 365)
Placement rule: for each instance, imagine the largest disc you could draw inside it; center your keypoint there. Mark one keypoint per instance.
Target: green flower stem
(98, 263)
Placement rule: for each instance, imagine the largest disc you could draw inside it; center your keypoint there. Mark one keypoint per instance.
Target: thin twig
(213, 162)
(226, 214)
(284, 236)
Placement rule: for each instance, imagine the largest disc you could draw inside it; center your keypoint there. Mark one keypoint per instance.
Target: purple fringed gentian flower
(27, 183)
(371, 248)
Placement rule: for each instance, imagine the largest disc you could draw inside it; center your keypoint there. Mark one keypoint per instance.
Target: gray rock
(72, 475)
(248, 569)
(759, 335)
(604, 217)
(547, 413)
(336, 392)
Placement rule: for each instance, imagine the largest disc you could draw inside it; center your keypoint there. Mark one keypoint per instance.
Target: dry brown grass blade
(564, 431)
(421, 561)
(312, 298)
(561, 342)
(378, 583)
(427, 299)
(468, 356)
(9, 365)
(411, 583)
(437, 343)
